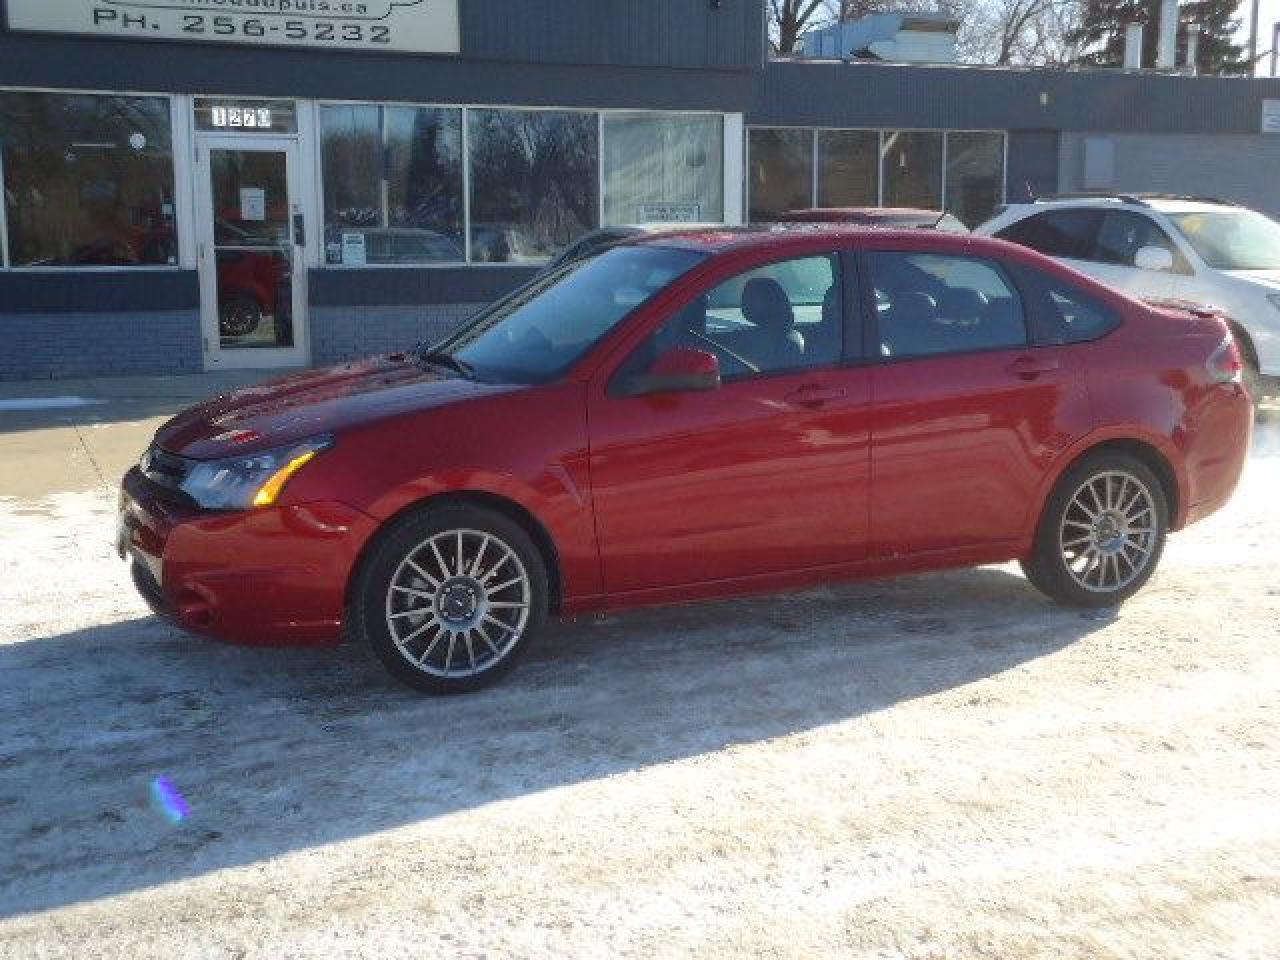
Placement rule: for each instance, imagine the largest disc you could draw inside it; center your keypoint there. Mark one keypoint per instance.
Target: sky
(1269, 14)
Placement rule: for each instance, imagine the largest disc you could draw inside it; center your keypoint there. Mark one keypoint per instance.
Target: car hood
(324, 401)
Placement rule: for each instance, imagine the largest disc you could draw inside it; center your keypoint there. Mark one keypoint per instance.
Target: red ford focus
(693, 416)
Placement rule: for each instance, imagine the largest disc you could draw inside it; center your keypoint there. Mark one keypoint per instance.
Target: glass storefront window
(88, 180)
(392, 185)
(912, 169)
(848, 168)
(975, 175)
(781, 172)
(534, 182)
(663, 168)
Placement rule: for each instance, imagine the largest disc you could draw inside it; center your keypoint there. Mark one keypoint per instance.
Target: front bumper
(273, 577)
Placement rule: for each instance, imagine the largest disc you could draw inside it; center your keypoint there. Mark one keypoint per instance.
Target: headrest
(765, 305)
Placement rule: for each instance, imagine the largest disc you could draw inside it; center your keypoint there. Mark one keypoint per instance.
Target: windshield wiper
(440, 358)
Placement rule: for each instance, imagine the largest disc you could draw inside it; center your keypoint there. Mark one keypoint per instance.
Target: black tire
(239, 317)
(1051, 568)
(404, 547)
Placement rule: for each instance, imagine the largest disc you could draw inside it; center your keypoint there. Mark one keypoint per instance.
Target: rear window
(1062, 313)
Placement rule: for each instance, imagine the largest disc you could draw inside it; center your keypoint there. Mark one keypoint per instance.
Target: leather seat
(774, 343)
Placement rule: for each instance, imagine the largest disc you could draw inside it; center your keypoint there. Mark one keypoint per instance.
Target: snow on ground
(938, 766)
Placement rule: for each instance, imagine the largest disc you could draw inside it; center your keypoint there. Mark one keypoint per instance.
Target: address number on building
(416, 26)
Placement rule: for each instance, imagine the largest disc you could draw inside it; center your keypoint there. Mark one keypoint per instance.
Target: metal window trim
(813, 169)
(465, 147)
(599, 170)
(4, 217)
(177, 138)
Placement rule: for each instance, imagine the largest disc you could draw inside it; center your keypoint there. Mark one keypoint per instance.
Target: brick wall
(48, 345)
(339, 334)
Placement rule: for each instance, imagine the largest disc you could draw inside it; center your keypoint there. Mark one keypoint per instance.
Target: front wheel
(450, 597)
(1102, 533)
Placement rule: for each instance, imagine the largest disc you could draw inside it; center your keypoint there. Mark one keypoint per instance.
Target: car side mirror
(1153, 258)
(679, 370)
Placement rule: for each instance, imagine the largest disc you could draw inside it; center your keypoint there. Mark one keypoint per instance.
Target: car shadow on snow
(283, 750)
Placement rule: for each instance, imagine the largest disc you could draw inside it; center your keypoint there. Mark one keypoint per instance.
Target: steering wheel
(721, 348)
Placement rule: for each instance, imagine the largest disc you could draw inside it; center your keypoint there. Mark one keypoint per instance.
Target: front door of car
(766, 473)
(966, 413)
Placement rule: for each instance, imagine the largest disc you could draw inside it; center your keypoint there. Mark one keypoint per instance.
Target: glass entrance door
(252, 254)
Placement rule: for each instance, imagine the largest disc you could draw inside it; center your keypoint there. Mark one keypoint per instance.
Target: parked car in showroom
(903, 217)
(1172, 248)
(691, 416)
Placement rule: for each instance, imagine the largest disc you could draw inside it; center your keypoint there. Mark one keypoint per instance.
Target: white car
(1163, 247)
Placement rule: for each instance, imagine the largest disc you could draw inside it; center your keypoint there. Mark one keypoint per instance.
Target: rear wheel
(239, 317)
(1102, 533)
(450, 597)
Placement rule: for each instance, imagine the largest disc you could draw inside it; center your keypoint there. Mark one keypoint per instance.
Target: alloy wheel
(458, 603)
(1109, 532)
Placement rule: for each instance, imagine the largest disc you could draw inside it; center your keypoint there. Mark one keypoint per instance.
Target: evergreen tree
(1101, 33)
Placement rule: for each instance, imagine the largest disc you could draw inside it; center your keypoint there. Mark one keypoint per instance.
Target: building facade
(212, 184)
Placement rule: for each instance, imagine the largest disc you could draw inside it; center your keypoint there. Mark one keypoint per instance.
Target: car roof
(793, 235)
(870, 213)
(1160, 202)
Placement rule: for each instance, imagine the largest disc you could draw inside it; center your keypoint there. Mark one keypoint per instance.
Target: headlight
(254, 480)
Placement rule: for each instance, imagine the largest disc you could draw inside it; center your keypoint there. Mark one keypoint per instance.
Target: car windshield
(538, 332)
(1235, 240)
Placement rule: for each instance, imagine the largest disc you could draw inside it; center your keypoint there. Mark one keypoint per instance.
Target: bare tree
(788, 19)
(1002, 32)
(1019, 32)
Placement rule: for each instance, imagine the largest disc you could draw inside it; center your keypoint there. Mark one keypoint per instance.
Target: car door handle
(1028, 367)
(814, 395)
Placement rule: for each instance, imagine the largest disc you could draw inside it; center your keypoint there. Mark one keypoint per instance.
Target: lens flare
(169, 800)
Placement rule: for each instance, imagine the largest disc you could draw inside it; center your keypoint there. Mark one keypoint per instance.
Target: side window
(1063, 314)
(927, 304)
(1057, 233)
(1123, 234)
(784, 316)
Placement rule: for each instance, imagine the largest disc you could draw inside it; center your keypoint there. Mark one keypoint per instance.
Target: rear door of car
(769, 472)
(968, 412)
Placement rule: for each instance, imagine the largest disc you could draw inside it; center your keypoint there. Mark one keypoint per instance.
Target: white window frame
(732, 164)
(182, 176)
(734, 168)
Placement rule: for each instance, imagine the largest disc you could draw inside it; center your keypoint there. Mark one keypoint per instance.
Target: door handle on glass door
(814, 395)
(1029, 367)
(299, 230)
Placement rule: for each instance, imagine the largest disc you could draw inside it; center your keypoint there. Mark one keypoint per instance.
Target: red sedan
(692, 416)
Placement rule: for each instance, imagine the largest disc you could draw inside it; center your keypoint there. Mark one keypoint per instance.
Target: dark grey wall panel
(39, 61)
(104, 291)
(670, 33)
(884, 95)
(1033, 164)
(408, 287)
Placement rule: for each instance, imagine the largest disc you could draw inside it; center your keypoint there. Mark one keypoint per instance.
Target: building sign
(1271, 116)
(404, 26)
(246, 116)
(675, 212)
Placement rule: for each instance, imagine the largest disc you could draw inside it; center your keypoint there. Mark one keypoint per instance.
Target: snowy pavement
(938, 766)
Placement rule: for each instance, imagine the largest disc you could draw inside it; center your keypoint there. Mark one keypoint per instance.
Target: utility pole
(1253, 39)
